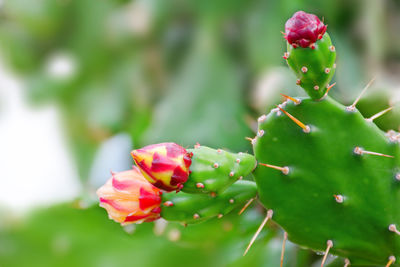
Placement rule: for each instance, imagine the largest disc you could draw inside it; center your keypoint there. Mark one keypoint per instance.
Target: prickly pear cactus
(331, 177)
(193, 208)
(214, 170)
(310, 53)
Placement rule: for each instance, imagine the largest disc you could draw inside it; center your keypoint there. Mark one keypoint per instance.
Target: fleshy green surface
(322, 164)
(314, 62)
(186, 207)
(216, 169)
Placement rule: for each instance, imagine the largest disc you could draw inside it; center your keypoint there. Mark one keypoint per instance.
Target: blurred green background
(122, 74)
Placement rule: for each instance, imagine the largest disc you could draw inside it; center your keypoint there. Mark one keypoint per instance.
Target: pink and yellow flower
(165, 165)
(129, 198)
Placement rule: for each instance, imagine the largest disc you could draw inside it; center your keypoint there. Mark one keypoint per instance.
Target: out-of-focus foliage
(183, 71)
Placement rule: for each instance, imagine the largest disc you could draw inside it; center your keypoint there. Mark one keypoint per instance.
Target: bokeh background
(83, 82)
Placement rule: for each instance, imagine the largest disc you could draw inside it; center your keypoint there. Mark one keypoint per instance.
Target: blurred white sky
(35, 165)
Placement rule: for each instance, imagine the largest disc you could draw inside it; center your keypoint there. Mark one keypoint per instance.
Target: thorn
(393, 228)
(327, 70)
(284, 34)
(219, 150)
(285, 170)
(353, 106)
(213, 194)
(377, 115)
(339, 198)
(252, 140)
(298, 81)
(392, 259)
(312, 46)
(329, 246)
(246, 205)
(238, 161)
(216, 165)
(260, 133)
(197, 145)
(332, 48)
(231, 174)
(296, 101)
(220, 216)
(196, 216)
(241, 178)
(283, 247)
(286, 55)
(316, 87)
(269, 216)
(346, 262)
(304, 69)
(262, 118)
(329, 88)
(200, 185)
(397, 176)
(231, 201)
(168, 203)
(305, 128)
(359, 151)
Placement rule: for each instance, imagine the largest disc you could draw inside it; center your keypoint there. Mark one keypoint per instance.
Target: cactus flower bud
(164, 165)
(129, 198)
(304, 29)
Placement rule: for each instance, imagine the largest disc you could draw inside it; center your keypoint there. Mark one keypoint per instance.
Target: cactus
(169, 167)
(332, 180)
(193, 208)
(310, 53)
(214, 170)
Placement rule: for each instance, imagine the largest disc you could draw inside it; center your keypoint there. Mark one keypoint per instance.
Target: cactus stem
(392, 259)
(285, 170)
(200, 185)
(262, 118)
(316, 87)
(346, 262)
(359, 151)
(216, 165)
(246, 205)
(377, 115)
(168, 203)
(304, 69)
(328, 247)
(270, 213)
(352, 107)
(283, 247)
(220, 216)
(260, 133)
(196, 216)
(339, 198)
(393, 228)
(231, 174)
(295, 100)
(305, 128)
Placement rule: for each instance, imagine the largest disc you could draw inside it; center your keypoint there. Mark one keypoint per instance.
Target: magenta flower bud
(304, 29)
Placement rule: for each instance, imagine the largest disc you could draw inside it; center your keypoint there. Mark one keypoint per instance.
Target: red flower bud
(164, 165)
(304, 29)
(129, 198)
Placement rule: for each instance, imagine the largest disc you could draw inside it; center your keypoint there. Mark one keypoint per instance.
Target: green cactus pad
(314, 68)
(194, 208)
(331, 192)
(214, 170)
